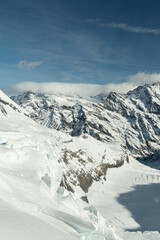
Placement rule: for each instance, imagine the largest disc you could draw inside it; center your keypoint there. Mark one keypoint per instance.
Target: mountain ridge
(123, 117)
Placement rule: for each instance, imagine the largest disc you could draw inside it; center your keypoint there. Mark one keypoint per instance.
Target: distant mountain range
(132, 118)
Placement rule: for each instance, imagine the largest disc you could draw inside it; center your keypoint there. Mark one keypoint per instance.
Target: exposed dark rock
(64, 183)
(85, 199)
(85, 181)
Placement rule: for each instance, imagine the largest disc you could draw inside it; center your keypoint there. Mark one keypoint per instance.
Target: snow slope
(17, 224)
(130, 199)
(30, 177)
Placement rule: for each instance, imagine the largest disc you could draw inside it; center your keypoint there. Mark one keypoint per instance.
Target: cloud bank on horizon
(81, 89)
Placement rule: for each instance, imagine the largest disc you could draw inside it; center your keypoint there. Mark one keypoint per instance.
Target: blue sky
(86, 41)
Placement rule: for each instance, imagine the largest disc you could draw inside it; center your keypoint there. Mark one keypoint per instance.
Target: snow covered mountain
(132, 118)
(83, 159)
(35, 164)
(86, 140)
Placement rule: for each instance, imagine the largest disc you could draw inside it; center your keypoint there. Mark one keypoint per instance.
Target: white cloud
(24, 64)
(83, 90)
(133, 81)
(125, 27)
(69, 89)
(142, 78)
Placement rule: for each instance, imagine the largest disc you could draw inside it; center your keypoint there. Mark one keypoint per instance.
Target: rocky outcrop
(81, 170)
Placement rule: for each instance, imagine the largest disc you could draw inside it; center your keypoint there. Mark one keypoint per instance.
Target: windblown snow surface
(34, 207)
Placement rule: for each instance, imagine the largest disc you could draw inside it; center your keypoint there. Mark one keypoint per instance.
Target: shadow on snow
(144, 204)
